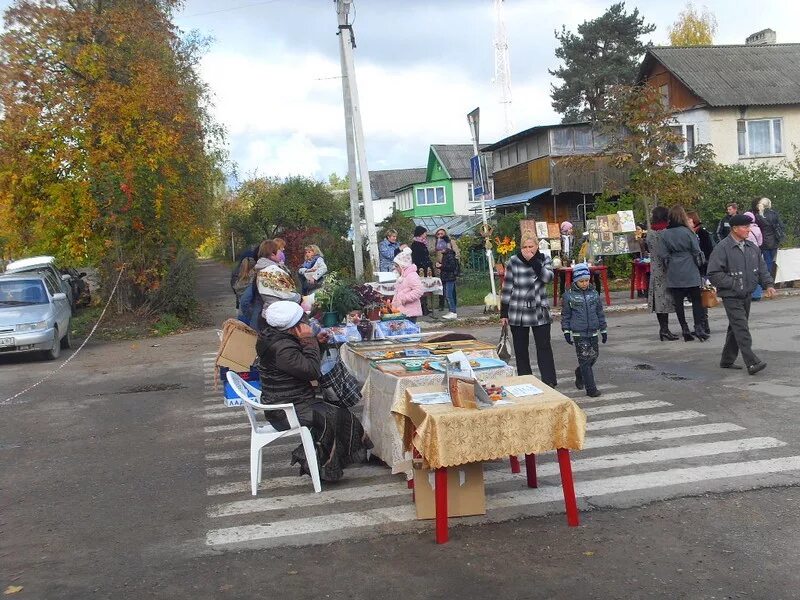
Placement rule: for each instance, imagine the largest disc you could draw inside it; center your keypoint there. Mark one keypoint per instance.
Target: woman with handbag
(658, 297)
(706, 246)
(680, 252)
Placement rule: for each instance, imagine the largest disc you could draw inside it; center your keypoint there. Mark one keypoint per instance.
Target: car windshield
(20, 292)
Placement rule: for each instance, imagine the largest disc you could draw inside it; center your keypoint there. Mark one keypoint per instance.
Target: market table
(567, 271)
(432, 286)
(446, 436)
(381, 391)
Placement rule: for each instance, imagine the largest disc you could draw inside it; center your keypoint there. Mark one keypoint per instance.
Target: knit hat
(283, 314)
(419, 230)
(750, 216)
(566, 226)
(737, 220)
(580, 271)
(403, 259)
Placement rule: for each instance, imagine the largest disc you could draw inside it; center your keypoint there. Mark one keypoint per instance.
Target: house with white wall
(383, 184)
(743, 100)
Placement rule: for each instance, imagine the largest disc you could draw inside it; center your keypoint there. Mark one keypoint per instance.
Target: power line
(214, 12)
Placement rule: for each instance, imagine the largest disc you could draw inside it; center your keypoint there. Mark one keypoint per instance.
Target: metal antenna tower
(502, 65)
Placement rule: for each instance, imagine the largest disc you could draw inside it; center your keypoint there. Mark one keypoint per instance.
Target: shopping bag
(708, 297)
(341, 383)
(504, 347)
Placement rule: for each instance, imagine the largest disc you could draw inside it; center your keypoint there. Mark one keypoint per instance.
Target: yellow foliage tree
(693, 28)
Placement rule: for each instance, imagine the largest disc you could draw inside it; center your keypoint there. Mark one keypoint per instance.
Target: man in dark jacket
(736, 266)
(724, 225)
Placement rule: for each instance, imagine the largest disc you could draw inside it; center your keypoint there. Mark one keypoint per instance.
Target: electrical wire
(214, 12)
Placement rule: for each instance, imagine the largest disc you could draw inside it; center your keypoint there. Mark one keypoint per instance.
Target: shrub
(176, 292)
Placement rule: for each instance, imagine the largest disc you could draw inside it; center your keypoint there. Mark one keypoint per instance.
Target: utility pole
(502, 65)
(346, 45)
(355, 213)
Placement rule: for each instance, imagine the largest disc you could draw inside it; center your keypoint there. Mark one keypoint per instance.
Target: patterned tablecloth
(447, 436)
(383, 391)
(432, 285)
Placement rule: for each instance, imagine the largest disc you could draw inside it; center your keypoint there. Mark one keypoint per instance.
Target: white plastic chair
(264, 433)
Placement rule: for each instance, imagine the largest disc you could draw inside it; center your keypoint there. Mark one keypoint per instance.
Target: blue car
(34, 315)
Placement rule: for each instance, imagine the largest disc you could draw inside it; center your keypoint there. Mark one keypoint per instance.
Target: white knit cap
(404, 258)
(283, 314)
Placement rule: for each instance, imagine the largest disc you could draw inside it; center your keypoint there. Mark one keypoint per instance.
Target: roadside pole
(347, 42)
(473, 118)
(355, 214)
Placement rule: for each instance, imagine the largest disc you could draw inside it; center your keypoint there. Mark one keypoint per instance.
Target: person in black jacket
(421, 257)
(288, 361)
(449, 270)
(706, 246)
(251, 252)
(772, 229)
(724, 225)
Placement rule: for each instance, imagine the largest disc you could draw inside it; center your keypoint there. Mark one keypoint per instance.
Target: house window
(760, 137)
(687, 132)
(431, 195)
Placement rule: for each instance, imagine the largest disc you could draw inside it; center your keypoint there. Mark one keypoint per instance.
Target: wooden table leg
(568, 487)
(441, 505)
(633, 277)
(530, 470)
(514, 460)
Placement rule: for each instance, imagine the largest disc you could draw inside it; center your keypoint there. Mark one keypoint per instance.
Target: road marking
(680, 415)
(275, 483)
(230, 414)
(577, 392)
(526, 496)
(659, 434)
(244, 453)
(612, 396)
(220, 406)
(384, 490)
(229, 427)
(224, 439)
(628, 407)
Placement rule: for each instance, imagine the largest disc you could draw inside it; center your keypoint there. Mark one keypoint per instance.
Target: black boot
(700, 333)
(687, 335)
(578, 379)
(663, 332)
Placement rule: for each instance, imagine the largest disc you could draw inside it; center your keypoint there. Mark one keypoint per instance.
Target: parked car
(34, 315)
(80, 289)
(45, 265)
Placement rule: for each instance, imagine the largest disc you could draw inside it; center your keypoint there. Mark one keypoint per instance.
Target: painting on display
(541, 230)
(555, 244)
(606, 236)
(553, 231)
(602, 223)
(621, 244)
(591, 225)
(594, 248)
(527, 227)
(613, 224)
(626, 222)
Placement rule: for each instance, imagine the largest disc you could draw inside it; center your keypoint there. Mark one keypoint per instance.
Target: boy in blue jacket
(582, 321)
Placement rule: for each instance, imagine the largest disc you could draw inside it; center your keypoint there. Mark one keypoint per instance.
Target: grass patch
(472, 287)
(127, 326)
(166, 324)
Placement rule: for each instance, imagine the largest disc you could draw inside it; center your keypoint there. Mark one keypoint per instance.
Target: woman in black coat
(680, 251)
(421, 257)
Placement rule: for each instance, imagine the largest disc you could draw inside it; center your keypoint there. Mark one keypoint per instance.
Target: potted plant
(370, 300)
(323, 300)
(343, 300)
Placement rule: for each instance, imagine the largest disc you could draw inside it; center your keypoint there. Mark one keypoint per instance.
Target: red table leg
(441, 505)
(568, 487)
(604, 278)
(568, 279)
(530, 469)
(634, 277)
(514, 463)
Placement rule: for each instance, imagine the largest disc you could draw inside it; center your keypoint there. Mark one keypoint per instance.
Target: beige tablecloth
(447, 436)
(431, 285)
(788, 261)
(383, 391)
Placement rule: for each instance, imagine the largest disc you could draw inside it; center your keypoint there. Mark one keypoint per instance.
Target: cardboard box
(239, 351)
(466, 494)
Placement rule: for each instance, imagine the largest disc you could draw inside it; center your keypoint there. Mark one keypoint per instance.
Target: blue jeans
(450, 295)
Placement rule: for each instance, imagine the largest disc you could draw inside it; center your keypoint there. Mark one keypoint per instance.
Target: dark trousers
(693, 293)
(450, 295)
(738, 338)
(544, 352)
(587, 351)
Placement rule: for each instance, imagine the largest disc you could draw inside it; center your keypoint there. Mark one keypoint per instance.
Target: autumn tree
(107, 150)
(693, 28)
(644, 139)
(604, 52)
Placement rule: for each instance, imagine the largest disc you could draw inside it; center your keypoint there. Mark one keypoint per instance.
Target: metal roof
(455, 159)
(27, 263)
(528, 132)
(514, 199)
(386, 180)
(741, 75)
(455, 225)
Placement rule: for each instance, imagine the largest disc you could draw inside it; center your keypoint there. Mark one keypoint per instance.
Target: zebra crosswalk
(637, 449)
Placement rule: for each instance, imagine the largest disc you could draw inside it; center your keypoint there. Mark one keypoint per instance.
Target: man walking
(724, 225)
(735, 267)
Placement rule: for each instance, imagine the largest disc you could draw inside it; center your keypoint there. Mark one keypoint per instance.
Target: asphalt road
(118, 473)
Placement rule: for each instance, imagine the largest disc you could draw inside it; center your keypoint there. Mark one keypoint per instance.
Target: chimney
(761, 38)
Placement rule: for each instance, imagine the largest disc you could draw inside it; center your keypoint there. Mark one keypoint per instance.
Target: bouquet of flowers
(505, 247)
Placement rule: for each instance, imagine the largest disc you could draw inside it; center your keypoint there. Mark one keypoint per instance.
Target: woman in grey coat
(681, 253)
(658, 298)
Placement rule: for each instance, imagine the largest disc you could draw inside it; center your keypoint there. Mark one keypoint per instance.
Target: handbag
(341, 383)
(708, 297)
(504, 347)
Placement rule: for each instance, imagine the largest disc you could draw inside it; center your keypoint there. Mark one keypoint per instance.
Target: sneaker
(594, 393)
(759, 366)
(450, 315)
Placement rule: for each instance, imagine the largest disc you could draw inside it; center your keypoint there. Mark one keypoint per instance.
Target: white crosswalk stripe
(662, 445)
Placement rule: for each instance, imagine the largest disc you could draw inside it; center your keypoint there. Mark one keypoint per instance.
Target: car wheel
(55, 351)
(66, 341)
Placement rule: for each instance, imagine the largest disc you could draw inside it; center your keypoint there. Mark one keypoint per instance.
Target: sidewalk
(621, 302)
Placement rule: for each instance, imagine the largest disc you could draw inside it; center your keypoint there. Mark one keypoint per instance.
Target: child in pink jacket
(408, 289)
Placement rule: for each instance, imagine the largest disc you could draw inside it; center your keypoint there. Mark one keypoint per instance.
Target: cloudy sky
(421, 65)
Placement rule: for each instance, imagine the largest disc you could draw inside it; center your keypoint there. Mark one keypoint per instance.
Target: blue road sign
(477, 176)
